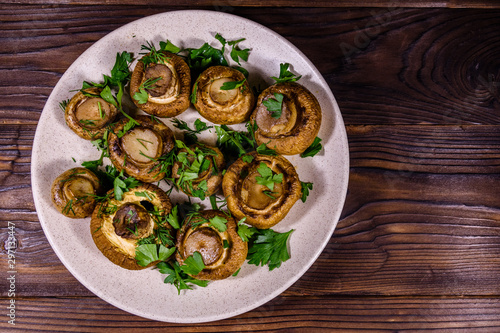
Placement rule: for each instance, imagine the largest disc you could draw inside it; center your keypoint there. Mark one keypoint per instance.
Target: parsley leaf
(177, 277)
(193, 264)
(173, 218)
(267, 178)
(313, 149)
(169, 47)
(268, 247)
(237, 53)
(148, 253)
(286, 75)
(142, 95)
(219, 223)
(305, 190)
(274, 105)
(244, 231)
(232, 84)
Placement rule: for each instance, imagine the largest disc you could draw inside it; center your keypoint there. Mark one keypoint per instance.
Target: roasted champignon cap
(73, 192)
(262, 206)
(298, 125)
(223, 253)
(88, 115)
(169, 95)
(117, 225)
(219, 106)
(207, 162)
(138, 151)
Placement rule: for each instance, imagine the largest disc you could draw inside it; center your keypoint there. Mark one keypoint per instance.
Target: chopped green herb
(286, 75)
(177, 277)
(268, 178)
(267, 247)
(274, 105)
(219, 223)
(193, 264)
(148, 253)
(305, 190)
(313, 149)
(232, 84)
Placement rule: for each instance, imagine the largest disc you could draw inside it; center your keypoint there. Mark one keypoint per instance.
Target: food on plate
(222, 95)
(118, 225)
(73, 192)
(213, 235)
(198, 169)
(161, 83)
(134, 224)
(261, 188)
(88, 115)
(138, 147)
(288, 118)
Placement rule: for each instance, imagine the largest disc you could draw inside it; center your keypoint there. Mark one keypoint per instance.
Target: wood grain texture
(295, 314)
(418, 243)
(217, 4)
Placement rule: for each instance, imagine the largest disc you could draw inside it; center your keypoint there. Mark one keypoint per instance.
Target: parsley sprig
(286, 75)
(268, 247)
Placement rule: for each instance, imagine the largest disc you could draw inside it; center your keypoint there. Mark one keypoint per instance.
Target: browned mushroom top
(131, 221)
(222, 250)
(88, 115)
(117, 225)
(263, 191)
(167, 84)
(74, 191)
(288, 118)
(139, 151)
(223, 96)
(198, 170)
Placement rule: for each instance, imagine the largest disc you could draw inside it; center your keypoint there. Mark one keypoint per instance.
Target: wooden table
(418, 243)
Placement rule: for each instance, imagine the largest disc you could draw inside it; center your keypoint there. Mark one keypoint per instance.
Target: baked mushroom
(165, 82)
(140, 150)
(198, 170)
(263, 190)
(223, 95)
(73, 192)
(117, 225)
(88, 115)
(221, 248)
(288, 118)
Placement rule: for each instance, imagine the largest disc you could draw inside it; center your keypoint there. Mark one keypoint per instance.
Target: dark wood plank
(385, 66)
(303, 314)
(218, 4)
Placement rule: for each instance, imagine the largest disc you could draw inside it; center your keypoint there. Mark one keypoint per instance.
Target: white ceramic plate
(143, 292)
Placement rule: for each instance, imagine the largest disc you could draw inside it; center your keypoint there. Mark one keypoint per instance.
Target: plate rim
(339, 126)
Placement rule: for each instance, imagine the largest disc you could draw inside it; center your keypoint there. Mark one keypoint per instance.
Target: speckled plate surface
(143, 292)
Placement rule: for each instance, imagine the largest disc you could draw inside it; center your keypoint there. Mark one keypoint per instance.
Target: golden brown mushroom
(205, 161)
(219, 105)
(166, 83)
(263, 190)
(223, 252)
(117, 225)
(291, 128)
(88, 115)
(139, 150)
(73, 192)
